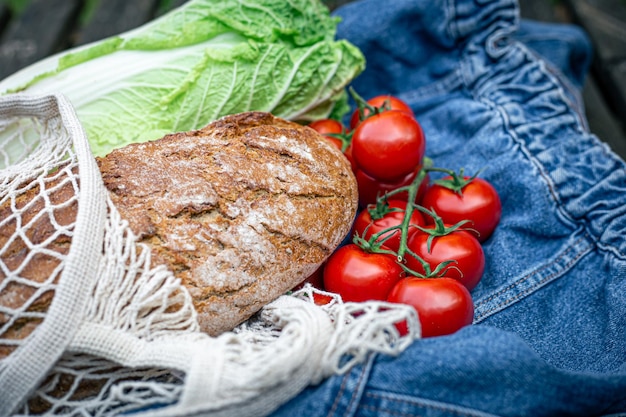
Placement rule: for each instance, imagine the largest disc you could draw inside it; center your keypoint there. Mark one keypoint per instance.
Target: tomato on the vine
(387, 102)
(388, 146)
(377, 218)
(324, 126)
(476, 200)
(327, 127)
(370, 189)
(358, 275)
(443, 305)
(458, 245)
(348, 154)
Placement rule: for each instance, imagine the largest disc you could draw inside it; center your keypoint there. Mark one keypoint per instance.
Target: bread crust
(37, 269)
(241, 210)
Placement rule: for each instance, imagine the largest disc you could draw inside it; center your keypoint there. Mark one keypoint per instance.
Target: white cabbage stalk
(204, 60)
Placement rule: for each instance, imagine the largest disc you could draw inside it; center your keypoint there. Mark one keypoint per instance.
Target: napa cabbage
(197, 63)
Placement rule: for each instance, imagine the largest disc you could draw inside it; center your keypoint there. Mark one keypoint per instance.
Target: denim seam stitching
(448, 83)
(366, 369)
(545, 175)
(338, 396)
(561, 82)
(358, 384)
(478, 94)
(402, 414)
(426, 403)
(528, 275)
(531, 289)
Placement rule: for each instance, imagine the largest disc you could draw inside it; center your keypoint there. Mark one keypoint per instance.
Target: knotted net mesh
(88, 326)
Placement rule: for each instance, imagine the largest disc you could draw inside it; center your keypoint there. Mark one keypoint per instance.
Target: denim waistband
(585, 179)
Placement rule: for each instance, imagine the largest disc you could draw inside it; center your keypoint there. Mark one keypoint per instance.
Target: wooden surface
(605, 21)
(50, 26)
(25, 41)
(116, 16)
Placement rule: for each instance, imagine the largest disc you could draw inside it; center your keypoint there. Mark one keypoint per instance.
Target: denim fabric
(501, 95)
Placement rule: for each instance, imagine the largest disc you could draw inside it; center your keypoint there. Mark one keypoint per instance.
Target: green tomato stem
(362, 104)
(375, 243)
(456, 182)
(412, 190)
(345, 137)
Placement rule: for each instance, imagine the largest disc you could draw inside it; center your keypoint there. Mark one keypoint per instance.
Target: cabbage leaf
(197, 63)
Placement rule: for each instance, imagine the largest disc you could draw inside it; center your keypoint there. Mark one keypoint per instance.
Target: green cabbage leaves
(204, 60)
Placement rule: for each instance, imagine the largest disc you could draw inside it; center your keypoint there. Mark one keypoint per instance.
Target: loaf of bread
(241, 211)
(36, 269)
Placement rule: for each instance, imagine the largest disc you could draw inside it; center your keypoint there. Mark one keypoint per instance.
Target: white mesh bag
(119, 335)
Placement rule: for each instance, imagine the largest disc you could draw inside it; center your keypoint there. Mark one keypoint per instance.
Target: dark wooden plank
(39, 31)
(602, 122)
(605, 21)
(4, 18)
(112, 17)
(546, 11)
(616, 76)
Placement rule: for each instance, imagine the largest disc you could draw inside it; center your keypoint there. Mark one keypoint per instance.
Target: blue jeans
(497, 94)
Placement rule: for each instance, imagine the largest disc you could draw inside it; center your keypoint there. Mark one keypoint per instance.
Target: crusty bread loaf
(36, 269)
(241, 211)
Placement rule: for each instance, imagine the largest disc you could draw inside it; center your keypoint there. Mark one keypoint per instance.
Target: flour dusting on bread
(241, 210)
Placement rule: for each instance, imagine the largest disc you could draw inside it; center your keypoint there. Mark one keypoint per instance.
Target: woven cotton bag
(120, 335)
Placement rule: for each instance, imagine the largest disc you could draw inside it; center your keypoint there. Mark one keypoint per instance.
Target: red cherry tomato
(326, 126)
(321, 299)
(348, 154)
(365, 226)
(388, 146)
(370, 189)
(358, 275)
(393, 103)
(458, 245)
(478, 203)
(443, 305)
